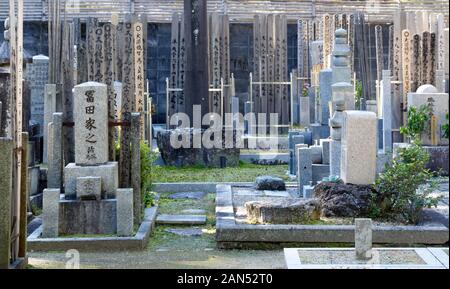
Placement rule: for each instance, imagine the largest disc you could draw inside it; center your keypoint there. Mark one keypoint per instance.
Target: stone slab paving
(181, 219)
(186, 232)
(193, 212)
(188, 195)
(341, 258)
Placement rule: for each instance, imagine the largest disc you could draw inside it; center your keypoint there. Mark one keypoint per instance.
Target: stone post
(49, 109)
(50, 213)
(6, 146)
(55, 152)
(136, 166)
(325, 78)
(304, 167)
(124, 212)
(363, 239)
(386, 101)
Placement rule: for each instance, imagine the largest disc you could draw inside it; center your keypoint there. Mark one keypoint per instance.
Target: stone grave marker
(37, 76)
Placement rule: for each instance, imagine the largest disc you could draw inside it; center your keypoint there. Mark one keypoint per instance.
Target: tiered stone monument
(342, 97)
(92, 202)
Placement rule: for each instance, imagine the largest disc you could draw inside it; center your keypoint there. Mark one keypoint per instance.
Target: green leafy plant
(418, 118)
(148, 158)
(445, 127)
(331, 179)
(358, 93)
(305, 89)
(403, 189)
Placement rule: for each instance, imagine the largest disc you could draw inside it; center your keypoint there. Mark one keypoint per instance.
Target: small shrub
(418, 118)
(403, 188)
(445, 127)
(305, 89)
(358, 93)
(148, 158)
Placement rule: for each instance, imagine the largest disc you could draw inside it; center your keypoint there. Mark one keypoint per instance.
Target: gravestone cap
(427, 88)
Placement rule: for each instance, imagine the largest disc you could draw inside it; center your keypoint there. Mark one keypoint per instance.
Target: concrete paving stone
(193, 212)
(284, 194)
(181, 219)
(188, 195)
(192, 232)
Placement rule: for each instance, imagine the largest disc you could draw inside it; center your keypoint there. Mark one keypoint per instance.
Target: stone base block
(87, 217)
(109, 173)
(439, 160)
(319, 172)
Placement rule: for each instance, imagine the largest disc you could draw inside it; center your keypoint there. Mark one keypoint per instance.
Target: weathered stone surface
(325, 144)
(316, 154)
(194, 232)
(319, 172)
(87, 217)
(269, 183)
(37, 77)
(363, 239)
(283, 211)
(49, 109)
(439, 159)
(55, 150)
(6, 147)
(109, 173)
(304, 167)
(91, 123)
(125, 218)
(191, 156)
(89, 188)
(181, 219)
(359, 147)
(188, 195)
(305, 114)
(193, 212)
(387, 114)
(335, 157)
(50, 213)
(343, 200)
(325, 78)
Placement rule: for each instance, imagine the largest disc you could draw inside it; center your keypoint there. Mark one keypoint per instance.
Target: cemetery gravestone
(359, 147)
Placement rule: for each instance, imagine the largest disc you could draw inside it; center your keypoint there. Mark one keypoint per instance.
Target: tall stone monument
(92, 202)
(342, 97)
(196, 39)
(37, 77)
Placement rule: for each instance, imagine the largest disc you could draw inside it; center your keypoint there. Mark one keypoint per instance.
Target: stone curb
(138, 242)
(200, 187)
(228, 231)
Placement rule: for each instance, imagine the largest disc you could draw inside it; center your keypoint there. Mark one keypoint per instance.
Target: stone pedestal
(359, 148)
(109, 174)
(50, 213)
(304, 167)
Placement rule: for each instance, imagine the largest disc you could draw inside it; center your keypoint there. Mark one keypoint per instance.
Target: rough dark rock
(343, 200)
(180, 157)
(283, 211)
(268, 183)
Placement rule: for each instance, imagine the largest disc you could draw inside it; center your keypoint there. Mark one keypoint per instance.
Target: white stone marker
(359, 147)
(363, 239)
(91, 123)
(50, 213)
(49, 109)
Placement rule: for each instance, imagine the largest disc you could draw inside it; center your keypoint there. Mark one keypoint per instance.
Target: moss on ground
(161, 239)
(243, 173)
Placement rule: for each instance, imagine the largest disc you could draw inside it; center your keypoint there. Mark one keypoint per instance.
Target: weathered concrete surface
(283, 211)
(181, 219)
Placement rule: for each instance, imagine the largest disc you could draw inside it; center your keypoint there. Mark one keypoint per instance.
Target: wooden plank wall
(160, 11)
